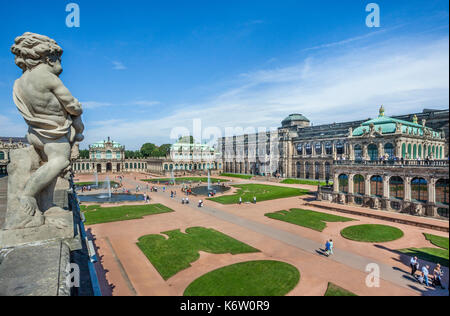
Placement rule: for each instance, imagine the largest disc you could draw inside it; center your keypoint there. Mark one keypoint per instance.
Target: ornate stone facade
(6, 145)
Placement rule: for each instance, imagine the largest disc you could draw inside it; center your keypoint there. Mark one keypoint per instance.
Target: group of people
(329, 245)
(146, 198)
(86, 188)
(240, 200)
(424, 277)
(185, 200)
(173, 194)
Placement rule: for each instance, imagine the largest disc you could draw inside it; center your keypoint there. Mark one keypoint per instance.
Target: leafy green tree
(84, 154)
(164, 150)
(148, 150)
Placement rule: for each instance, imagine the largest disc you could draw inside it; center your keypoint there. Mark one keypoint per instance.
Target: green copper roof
(388, 126)
(295, 117)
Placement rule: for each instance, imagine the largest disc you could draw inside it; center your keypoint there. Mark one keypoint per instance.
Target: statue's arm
(71, 105)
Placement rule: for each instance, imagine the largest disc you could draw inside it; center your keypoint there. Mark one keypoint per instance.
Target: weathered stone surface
(36, 270)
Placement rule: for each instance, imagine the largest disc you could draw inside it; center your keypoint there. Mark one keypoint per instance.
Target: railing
(395, 163)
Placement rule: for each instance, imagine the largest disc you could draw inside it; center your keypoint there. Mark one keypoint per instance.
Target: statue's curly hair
(32, 49)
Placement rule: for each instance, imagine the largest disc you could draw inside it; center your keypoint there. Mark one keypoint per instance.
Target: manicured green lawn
(261, 191)
(254, 278)
(100, 183)
(438, 241)
(235, 175)
(185, 180)
(334, 290)
(170, 256)
(308, 182)
(435, 255)
(372, 233)
(307, 218)
(96, 214)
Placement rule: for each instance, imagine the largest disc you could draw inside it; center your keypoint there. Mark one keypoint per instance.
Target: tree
(164, 150)
(84, 154)
(148, 150)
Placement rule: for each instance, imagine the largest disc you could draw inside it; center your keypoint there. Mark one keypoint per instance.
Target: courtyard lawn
(334, 290)
(96, 214)
(170, 256)
(253, 278)
(262, 192)
(307, 218)
(435, 255)
(235, 175)
(372, 233)
(186, 179)
(308, 182)
(100, 183)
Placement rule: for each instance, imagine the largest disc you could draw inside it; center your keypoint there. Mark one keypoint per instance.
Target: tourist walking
(437, 277)
(414, 264)
(240, 200)
(254, 200)
(425, 273)
(145, 198)
(329, 251)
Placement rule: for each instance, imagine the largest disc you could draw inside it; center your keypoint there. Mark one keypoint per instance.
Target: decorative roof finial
(415, 119)
(381, 111)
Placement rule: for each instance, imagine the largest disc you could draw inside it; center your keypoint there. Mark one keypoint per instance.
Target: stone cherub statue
(54, 123)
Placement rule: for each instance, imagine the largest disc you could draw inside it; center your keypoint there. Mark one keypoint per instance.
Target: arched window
(414, 151)
(396, 188)
(170, 167)
(135, 166)
(300, 149)
(126, 165)
(404, 150)
(389, 150)
(166, 167)
(318, 148)
(440, 152)
(433, 152)
(373, 152)
(327, 170)
(376, 186)
(442, 191)
(328, 149)
(298, 168)
(108, 154)
(419, 189)
(343, 183)
(308, 149)
(98, 155)
(358, 184)
(317, 170)
(2, 155)
(307, 170)
(419, 152)
(358, 153)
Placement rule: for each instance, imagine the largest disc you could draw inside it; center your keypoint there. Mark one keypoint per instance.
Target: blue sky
(141, 68)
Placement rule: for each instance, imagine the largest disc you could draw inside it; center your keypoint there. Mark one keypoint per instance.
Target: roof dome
(294, 118)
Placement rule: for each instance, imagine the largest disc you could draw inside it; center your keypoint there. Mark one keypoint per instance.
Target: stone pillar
(380, 150)
(407, 187)
(333, 146)
(365, 152)
(323, 151)
(367, 185)
(351, 185)
(336, 183)
(386, 193)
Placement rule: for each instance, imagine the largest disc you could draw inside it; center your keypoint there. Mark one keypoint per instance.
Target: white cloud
(403, 75)
(12, 128)
(95, 104)
(118, 65)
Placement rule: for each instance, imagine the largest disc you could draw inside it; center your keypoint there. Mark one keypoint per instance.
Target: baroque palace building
(396, 163)
(6, 145)
(185, 158)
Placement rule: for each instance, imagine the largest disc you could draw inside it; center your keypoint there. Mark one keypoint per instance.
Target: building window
(442, 191)
(443, 212)
(404, 151)
(343, 183)
(299, 168)
(389, 150)
(308, 149)
(317, 171)
(2, 155)
(415, 151)
(300, 149)
(396, 188)
(118, 156)
(307, 170)
(358, 184)
(376, 186)
(109, 154)
(340, 148)
(318, 149)
(98, 155)
(358, 153)
(419, 189)
(328, 149)
(373, 152)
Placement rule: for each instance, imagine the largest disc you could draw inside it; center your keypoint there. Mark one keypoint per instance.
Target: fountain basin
(203, 190)
(116, 197)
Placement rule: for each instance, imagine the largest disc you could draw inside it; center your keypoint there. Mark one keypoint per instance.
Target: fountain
(209, 181)
(108, 197)
(172, 179)
(210, 188)
(96, 180)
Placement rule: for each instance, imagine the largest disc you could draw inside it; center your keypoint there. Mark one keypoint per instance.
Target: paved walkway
(350, 266)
